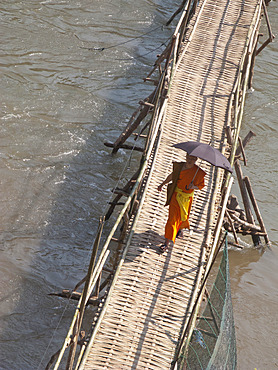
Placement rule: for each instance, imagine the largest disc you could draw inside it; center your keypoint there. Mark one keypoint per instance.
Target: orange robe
(174, 222)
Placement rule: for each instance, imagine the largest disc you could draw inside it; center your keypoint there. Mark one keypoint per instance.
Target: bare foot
(180, 234)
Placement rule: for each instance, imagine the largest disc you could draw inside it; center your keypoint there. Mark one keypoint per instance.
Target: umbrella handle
(187, 187)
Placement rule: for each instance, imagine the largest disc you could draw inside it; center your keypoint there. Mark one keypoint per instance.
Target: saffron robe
(182, 180)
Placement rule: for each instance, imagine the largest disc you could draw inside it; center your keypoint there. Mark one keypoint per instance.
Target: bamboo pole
(187, 332)
(256, 208)
(155, 114)
(235, 245)
(97, 287)
(165, 75)
(245, 199)
(121, 240)
(184, 3)
(147, 79)
(180, 22)
(242, 151)
(171, 50)
(68, 339)
(252, 232)
(144, 128)
(193, 317)
(270, 34)
(82, 281)
(126, 188)
(123, 146)
(248, 225)
(133, 124)
(66, 293)
(159, 60)
(245, 141)
(232, 226)
(183, 27)
(85, 296)
(190, 10)
(242, 143)
(253, 61)
(73, 345)
(229, 136)
(175, 56)
(139, 135)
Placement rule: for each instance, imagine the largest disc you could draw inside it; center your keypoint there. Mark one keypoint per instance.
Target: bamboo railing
(235, 115)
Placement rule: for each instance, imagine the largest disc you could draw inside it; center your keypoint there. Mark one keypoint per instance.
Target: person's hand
(191, 186)
(159, 188)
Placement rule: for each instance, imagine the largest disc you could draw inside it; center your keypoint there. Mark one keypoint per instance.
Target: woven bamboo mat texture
(153, 293)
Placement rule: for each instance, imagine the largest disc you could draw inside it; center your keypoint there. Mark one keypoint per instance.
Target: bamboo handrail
(229, 180)
(92, 275)
(82, 357)
(136, 185)
(236, 91)
(192, 32)
(85, 295)
(186, 335)
(185, 21)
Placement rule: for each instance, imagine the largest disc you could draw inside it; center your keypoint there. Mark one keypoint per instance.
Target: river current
(71, 76)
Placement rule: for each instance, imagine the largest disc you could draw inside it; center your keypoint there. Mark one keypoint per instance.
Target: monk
(185, 178)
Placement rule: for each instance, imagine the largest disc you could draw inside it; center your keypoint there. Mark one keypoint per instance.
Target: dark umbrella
(205, 152)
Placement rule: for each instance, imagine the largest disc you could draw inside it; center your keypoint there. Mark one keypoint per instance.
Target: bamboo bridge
(151, 301)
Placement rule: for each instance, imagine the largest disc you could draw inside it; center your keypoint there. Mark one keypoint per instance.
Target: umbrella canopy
(205, 152)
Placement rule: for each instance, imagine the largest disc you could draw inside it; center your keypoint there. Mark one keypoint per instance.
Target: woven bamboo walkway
(154, 293)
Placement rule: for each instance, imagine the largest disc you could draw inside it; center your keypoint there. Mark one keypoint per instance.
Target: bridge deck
(153, 292)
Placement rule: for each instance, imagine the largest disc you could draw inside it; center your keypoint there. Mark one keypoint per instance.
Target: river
(62, 97)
